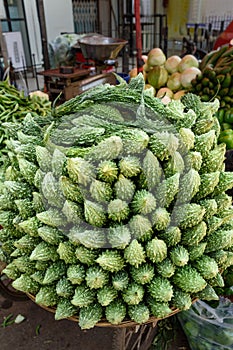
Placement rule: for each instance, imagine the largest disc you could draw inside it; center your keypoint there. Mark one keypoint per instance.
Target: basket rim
(104, 323)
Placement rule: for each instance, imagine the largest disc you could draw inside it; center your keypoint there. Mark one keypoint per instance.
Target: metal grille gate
(85, 16)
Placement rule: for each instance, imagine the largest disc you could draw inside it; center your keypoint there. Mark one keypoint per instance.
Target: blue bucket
(125, 76)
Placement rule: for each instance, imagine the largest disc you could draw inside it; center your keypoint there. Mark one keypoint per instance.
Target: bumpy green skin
(189, 279)
(85, 255)
(134, 254)
(13, 272)
(64, 288)
(30, 226)
(70, 190)
(140, 227)
(213, 162)
(159, 309)
(143, 202)
(52, 217)
(118, 210)
(80, 171)
(163, 145)
(44, 252)
(139, 313)
(165, 268)
(89, 316)
(83, 296)
(207, 267)
(27, 170)
(73, 212)
(179, 255)
(181, 300)
(94, 213)
(100, 191)
(25, 284)
(189, 186)
(64, 309)
(196, 251)
(171, 236)
(160, 289)
(120, 280)
(187, 139)
(160, 219)
(24, 264)
(205, 142)
(96, 277)
(76, 273)
(152, 170)
(107, 149)
(115, 312)
(106, 295)
(54, 272)
(130, 166)
(111, 260)
(51, 191)
(211, 207)
(167, 190)
(50, 234)
(174, 165)
(188, 215)
(25, 208)
(225, 183)
(124, 188)
(66, 252)
(156, 250)
(134, 293)
(218, 240)
(208, 293)
(208, 183)
(193, 160)
(119, 236)
(142, 274)
(47, 296)
(195, 234)
(107, 171)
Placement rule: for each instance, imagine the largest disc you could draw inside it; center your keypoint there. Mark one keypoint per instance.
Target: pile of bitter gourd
(115, 208)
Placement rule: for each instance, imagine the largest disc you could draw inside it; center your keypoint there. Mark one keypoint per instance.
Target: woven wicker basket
(104, 323)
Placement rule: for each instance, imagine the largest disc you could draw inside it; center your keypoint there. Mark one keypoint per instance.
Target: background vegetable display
(216, 82)
(171, 75)
(114, 207)
(14, 106)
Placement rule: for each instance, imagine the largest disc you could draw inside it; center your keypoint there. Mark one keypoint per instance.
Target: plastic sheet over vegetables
(207, 327)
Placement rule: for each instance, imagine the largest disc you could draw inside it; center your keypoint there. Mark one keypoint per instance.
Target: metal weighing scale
(100, 53)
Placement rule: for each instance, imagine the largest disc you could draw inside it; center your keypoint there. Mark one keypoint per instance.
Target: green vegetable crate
(114, 209)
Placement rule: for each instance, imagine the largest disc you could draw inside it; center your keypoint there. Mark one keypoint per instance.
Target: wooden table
(73, 84)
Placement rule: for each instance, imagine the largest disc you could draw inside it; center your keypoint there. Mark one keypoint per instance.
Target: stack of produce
(14, 106)
(116, 209)
(216, 82)
(169, 76)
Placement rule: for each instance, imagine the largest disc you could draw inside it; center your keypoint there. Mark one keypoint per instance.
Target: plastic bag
(60, 50)
(209, 328)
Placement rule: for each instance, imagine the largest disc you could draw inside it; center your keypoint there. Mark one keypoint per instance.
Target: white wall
(217, 7)
(59, 17)
(33, 30)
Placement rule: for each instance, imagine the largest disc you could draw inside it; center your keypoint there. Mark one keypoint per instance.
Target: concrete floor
(39, 331)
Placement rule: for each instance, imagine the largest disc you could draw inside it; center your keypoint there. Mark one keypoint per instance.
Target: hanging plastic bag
(209, 328)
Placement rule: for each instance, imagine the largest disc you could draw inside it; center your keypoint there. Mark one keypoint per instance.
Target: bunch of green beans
(15, 105)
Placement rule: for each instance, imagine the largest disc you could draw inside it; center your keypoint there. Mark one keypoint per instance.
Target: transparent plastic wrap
(207, 327)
